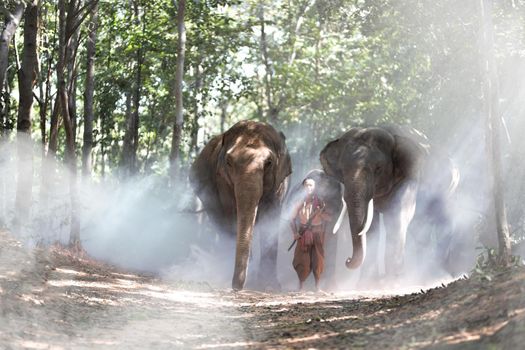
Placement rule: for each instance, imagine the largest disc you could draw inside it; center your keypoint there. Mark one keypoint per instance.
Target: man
(308, 228)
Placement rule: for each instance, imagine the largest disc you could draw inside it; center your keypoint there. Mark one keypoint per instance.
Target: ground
(53, 299)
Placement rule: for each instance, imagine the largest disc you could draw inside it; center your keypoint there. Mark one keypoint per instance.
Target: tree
(131, 136)
(493, 130)
(11, 24)
(179, 74)
(88, 94)
(26, 78)
(71, 16)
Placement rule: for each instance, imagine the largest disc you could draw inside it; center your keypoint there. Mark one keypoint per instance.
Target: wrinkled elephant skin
(383, 166)
(241, 177)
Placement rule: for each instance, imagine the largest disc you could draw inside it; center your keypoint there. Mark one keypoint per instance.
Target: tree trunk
(8, 32)
(224, 107)
(67, 28)
(127, 147)
(196, 110)
(72, 81)
(44, 80)
(271, 113)
(28, 72)
(88, 94)
(494, 127)
(131, 135)
(104, 132)
(26, 80)
(179, 74)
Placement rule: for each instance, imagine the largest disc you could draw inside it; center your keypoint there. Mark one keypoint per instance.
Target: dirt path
(53, 300)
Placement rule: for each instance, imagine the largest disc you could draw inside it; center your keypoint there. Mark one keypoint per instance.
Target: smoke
(138, 224)
(143, 225)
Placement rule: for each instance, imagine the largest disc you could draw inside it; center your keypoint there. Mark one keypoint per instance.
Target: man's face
(309, 186)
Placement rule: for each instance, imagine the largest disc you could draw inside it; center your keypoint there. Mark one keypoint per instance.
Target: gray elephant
(382, 171)
(241, 177)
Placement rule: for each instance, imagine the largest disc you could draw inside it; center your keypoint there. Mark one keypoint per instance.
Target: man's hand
(296, 236)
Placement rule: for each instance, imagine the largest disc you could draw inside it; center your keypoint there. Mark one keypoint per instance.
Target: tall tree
(179, 74)
(88, 93)
(131, 136)
(26, 80)
(493, 131)
(71, 16)
(12, 20)
(47, 51)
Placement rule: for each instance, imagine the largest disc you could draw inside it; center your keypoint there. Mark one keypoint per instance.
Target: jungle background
(105, 104)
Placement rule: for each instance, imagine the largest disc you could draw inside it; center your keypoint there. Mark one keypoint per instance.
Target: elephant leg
(397, 219)
(328, 280)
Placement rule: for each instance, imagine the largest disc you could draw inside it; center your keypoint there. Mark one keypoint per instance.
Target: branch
(80, 20)
(298, 25)
(38, 100)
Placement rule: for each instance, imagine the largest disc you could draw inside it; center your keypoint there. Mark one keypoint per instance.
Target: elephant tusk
(369, 217)
(340, 218)
(454, 181)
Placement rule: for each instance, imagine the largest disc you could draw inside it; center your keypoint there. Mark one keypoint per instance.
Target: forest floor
(52, 299)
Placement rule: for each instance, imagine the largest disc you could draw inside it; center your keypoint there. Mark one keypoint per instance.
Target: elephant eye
(229, 162)
(378, 170)
(268, 162)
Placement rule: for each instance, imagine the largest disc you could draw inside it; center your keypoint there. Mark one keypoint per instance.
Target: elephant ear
(408, 157)
(284, 168)
(329, 158)
(202, 172)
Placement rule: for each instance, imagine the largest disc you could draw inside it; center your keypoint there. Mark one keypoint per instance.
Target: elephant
(382, 170)
(241, 177)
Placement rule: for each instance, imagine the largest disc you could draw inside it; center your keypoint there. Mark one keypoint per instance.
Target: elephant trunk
(360, 206)
(248, 192)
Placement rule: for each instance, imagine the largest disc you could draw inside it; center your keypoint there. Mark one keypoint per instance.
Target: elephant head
(371, 163)
(247, 169)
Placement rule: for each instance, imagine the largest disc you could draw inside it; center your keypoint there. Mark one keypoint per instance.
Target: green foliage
(330, 65)
(488, 265)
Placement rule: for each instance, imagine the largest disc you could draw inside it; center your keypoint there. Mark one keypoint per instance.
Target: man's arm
(293, 226)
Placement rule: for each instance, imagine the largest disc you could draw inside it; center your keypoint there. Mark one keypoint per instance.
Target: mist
(139, 224)
(144, 225)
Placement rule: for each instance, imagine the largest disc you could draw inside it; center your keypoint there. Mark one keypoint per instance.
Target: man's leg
(318, 257)
(301, 263)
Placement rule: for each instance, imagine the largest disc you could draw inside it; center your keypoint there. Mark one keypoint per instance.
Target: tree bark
(131, 135)
(88, 94)
(28, 72)
(196, 110)
(271, 113)
(179, 74)
(69, 20)
(26, 80)
(12, 22)
(493, 130)
(72, 80)
(224, 107)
